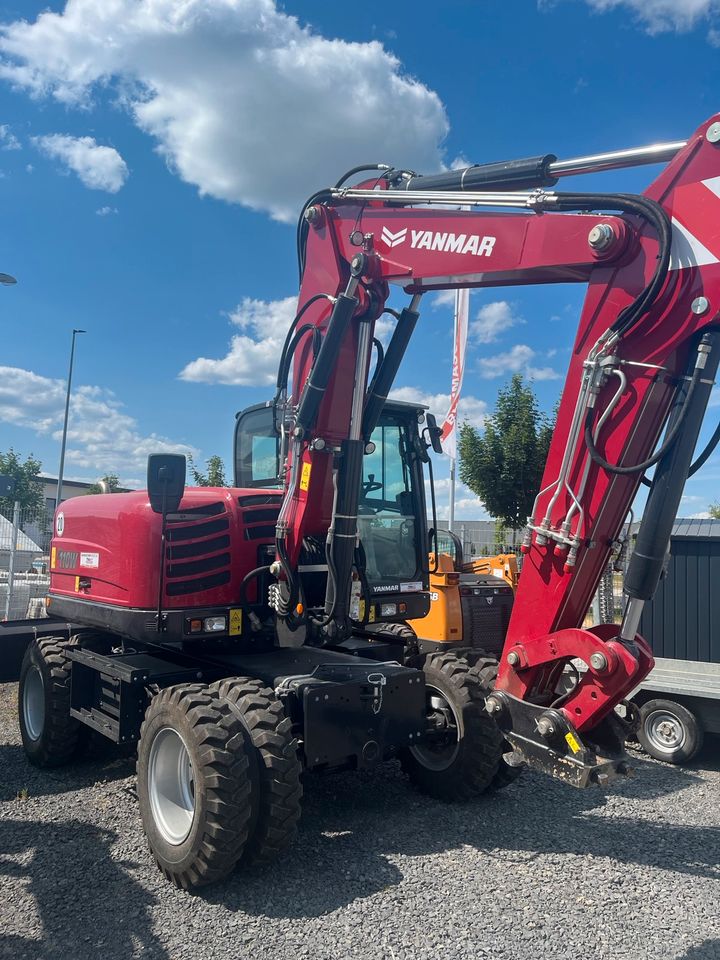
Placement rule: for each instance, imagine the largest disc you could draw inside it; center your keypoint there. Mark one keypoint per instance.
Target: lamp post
(7, 280)
(65, 422)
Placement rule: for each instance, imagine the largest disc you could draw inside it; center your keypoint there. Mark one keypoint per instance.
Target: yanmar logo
(393, 239)
(444, 242)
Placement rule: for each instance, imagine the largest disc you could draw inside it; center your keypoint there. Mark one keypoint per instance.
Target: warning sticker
(572, 743)
(305, 476)
(90, 560)
(235, 622)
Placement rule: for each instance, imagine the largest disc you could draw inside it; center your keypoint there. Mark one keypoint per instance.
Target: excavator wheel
(275, 767)
(193, 784)
(486, 668)
(402, 631)
(459, 756)
(50, 736)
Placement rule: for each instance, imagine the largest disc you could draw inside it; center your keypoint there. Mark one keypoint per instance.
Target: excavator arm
(643, 361)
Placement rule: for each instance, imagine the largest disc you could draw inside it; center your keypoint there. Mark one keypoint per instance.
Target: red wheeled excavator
(242, 634)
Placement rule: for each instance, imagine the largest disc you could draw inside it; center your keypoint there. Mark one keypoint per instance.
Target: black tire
(275, 768)
(50, 736)
(462, 763)
(196, 838)
(507, 773)
(669, 731)
(402, 631)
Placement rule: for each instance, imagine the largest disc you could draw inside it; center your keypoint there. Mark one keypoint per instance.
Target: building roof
(24, 543)
(706, 529)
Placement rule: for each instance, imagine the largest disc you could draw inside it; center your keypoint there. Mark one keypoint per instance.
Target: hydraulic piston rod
(534, 172)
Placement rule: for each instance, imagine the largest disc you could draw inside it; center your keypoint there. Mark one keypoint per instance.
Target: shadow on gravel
(88, 904)
(357, 828)
(18, 777)
(707, 950)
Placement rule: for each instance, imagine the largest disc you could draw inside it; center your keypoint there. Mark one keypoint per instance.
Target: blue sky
(153, 154)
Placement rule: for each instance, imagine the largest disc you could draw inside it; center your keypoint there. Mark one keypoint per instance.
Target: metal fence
(24, 561)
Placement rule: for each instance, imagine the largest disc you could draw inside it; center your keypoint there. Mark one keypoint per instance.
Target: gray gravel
(539, 871)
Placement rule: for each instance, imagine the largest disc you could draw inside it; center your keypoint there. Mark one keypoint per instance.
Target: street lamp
(65, 422)
(7, 280)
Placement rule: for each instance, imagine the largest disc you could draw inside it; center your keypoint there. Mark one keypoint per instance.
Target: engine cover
(106, 548)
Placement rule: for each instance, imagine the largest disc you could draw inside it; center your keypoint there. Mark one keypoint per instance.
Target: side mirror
(434, 432)
(166, 481)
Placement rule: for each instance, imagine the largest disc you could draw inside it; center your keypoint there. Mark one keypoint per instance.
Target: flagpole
(451, 512)
(451, 515)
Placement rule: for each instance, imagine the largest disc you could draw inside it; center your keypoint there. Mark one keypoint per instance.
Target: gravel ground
(539, 871)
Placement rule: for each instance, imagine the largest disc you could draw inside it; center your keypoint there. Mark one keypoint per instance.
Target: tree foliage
(714, 511)
(215, 476)
(504, 464)
(111, 479)
(28, 488)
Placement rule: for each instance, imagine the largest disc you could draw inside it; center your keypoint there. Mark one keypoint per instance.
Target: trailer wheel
(508, 770)
(669, 731)
(50, 736)
(275, 768)
(193, 784)
(460, 755)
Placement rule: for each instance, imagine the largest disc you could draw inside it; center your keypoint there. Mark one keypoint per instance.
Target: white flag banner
(449, 430)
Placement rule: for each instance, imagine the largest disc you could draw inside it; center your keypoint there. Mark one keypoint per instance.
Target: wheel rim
(171, 786)
(34, 703)
(665, 731)
(439, 750)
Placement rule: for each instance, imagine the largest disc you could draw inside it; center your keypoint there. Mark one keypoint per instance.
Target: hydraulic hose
(289, 335)
(657, 217)
(669, 440)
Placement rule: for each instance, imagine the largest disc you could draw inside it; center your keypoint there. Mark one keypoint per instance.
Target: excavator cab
(392, 523)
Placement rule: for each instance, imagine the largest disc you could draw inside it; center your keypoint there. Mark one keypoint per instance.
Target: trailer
(679, 700)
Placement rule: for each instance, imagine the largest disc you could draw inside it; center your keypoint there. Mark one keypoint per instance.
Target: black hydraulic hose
(701, 460)
(257, 572)
(303, 226)
(657, 217)
(361, 168)
(669, 440)
(709, 448)
(289, 335)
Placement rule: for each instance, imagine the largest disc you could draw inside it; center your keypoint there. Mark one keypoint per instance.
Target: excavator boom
(643, 359)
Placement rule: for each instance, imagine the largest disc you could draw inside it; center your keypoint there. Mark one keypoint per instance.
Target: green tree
(28, 489)
(504, 464)
(215, 476)
(111, 479)
(714, 510)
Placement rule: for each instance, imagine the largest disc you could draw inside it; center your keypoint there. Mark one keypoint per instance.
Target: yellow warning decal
(77, 584)
(235, 622)
(572, 743)
(305, 476)
(53, 554)
(371, 615)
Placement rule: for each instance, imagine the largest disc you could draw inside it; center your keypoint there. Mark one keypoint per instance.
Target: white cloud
(516, 360)
(97, 166)
(106, 211)
(241, 100)
(8, 140)
(493, 319)
(659, 16)
(102, 438)
(252, 359)
(443, 299)
(470, 408)
(253, 355)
